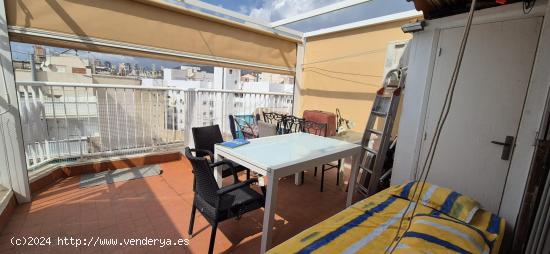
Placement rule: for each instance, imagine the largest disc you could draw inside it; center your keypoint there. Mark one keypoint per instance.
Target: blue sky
(237, 5)
(272, 10)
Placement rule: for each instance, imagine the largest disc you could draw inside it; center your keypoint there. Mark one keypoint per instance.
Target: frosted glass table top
(277, 151)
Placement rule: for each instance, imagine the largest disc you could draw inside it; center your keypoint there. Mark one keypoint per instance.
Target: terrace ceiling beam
(368, 22)
(250, 21)
(318, 12)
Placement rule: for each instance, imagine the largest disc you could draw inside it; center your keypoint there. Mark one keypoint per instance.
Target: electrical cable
(345, 73)
(369, 52)
(343, 79)
(440, 123)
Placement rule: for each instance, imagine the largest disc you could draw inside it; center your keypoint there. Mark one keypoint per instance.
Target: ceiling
(357, 10)
(441, 8)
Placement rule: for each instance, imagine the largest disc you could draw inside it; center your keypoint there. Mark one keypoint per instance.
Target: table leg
(341, 171)
(269, 213)
(218, 171)
(298, 178)
(353, 178)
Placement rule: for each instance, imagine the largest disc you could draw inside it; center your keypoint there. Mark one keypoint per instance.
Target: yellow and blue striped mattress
(370, 226)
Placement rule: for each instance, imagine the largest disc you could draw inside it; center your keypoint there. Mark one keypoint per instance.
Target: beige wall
(344, 70)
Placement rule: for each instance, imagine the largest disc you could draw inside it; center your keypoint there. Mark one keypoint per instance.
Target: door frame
(423, 48)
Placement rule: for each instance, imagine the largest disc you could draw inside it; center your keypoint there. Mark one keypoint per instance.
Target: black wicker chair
(205, 138)
(219, 204)
(237, 124)
(275, 118)
(320, 129)
(292, 124)
(272, 117)
(233, 127)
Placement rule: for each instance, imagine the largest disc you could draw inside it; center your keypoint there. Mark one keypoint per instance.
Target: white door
(487, 106)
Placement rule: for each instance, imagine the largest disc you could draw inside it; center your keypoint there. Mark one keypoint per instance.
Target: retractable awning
(149, 28)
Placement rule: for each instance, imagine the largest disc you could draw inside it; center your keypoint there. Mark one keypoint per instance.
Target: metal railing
(75, 121)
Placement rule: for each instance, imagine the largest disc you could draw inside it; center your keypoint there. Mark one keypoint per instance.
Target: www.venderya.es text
(97, 241)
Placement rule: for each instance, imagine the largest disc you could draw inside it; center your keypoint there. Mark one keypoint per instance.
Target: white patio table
(283, 155)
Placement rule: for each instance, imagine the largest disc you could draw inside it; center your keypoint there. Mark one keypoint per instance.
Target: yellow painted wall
(344, 70)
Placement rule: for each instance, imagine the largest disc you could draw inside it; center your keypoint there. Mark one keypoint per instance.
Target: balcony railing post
(117, 123)
(47, 154)
(99, 120)
(88, 120)
(174, 112)
(126, 111)
(157, 119)
(67, 129)
(191, 95)
(37, 125)
(80, 126)
(24, 106)
(142, 118)
(135, 115)
(165, 116)
(150, 106)
(52, 98)
(108, 116)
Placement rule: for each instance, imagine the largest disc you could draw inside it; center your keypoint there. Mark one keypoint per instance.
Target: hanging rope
(440, 123)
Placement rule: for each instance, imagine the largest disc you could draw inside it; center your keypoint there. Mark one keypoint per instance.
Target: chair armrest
(235, 186)
(223, 162)
(210, 154)
(231, 166)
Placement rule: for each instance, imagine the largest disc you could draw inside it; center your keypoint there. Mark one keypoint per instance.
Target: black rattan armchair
(219, 204)
(205, 138)
(320, 129)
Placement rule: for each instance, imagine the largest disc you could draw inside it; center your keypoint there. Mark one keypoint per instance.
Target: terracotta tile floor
(160, 207)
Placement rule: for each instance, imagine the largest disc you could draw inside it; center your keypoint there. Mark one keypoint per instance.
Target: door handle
(499, 143)
(507, 146)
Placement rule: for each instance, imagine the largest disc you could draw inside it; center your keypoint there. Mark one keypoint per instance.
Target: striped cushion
(429, 234)
(445, 200)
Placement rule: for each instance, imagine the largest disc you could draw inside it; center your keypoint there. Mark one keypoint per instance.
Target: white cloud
(244, 9)
(273, 10)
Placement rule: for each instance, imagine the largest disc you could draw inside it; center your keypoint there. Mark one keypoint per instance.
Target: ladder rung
(370, 150)
(375, 132)
(366, 169)
(385, 175)
(385, 96)
(378, 113)
(362, 190)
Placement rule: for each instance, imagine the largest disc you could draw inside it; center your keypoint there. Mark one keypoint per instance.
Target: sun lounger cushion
(445, 200)
(430, 234)
(370, 225)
